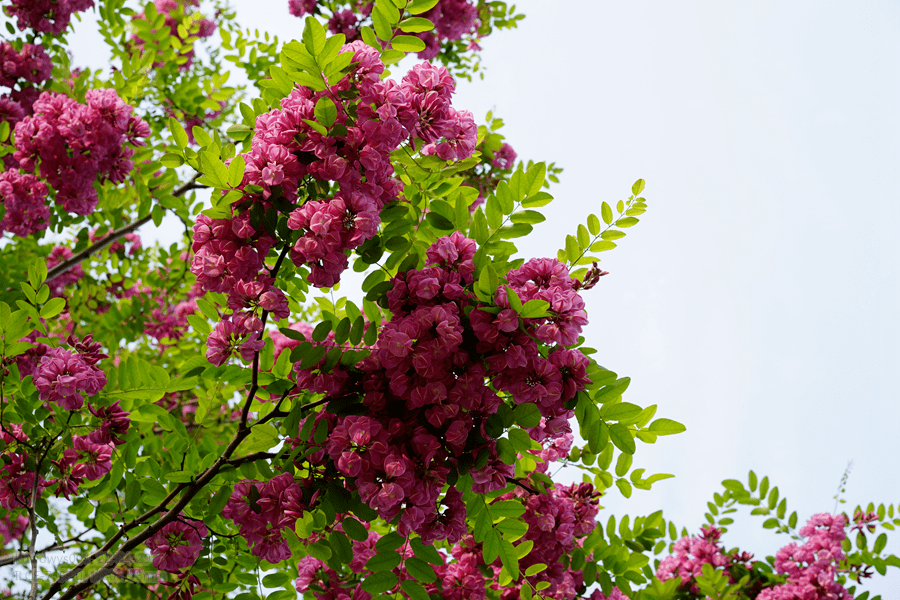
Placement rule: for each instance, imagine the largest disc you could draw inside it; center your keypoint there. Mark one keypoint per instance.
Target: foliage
(217, 419)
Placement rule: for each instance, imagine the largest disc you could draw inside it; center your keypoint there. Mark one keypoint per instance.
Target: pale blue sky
(757, 300)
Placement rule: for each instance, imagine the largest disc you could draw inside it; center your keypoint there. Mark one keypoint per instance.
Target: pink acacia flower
(46, 16)
(177, 545)
(11, 528)
(24, 196)
(95, 460)
(62, 376)
(504, 158)
(689, 556)
(59, 255)
(17, 483)
(615, 594)
(114, 423)
(76, 144)
(812, 568)
(301, 8)
(262, 510)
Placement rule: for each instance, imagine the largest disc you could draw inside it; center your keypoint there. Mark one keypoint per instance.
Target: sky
(756, 302)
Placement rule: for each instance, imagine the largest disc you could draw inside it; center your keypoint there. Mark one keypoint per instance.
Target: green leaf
(417, 7)
(425, 551)
(535, 309)
(326, 111)
(638, 187)
(313, 36)
(509, 558)
(386, 561)
(414, 589)
(53, 308)
(236, 171)
(527, 415)
(491, 549)
(626, 222)
(420, 569)
(607, 213)
(178, 133)
(171, 160)
(594, 224)
(511, 509)
(379, 582)
(416, 25)
(620, 412)
(624, 487)
(666, 427)
(355, 529)
(621, 437)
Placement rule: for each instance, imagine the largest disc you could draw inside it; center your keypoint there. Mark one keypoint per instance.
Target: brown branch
(120, 232)
(236, 462)
(191, 490)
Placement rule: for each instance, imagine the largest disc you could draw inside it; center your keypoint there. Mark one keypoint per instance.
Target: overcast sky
(756, 301)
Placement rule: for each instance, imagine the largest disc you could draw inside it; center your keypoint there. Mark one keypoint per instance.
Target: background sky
(756, 302)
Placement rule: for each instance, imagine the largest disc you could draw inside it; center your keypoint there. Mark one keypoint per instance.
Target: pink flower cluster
(689, 556)
(62, 374)
(73, 144)
(452, 20)
(175, 13)
(57, 256)
(354, 157)
(46, 16)
(262, 511)
(556, 520)
(615, 594)
(17, 483)
(812, 568)
(504, 158)
(178, 544)
(31, 63)
(426, 388)
(326, 584)
(517, 366)
(24, 198)
(86, 459)
(301, 8)
(12, 528)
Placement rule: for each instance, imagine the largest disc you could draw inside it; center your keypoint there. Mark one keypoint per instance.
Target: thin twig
(122, 231)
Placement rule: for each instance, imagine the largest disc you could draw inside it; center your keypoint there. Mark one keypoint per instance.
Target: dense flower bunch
(326, 584)
(17, 480)
(452, 20)
(46, 16)
(425, 386)
(615, 594)
(63, 374)
(176, 14)
(19, 68)
(11, 528)
(512, 353)
(73, 144)
(354, 157)
(177, 545)
(812, 567)
(690, 554)
(556, 521)
(263, 510)
(24, 198)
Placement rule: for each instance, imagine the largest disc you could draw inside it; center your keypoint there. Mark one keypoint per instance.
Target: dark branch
(122, 231)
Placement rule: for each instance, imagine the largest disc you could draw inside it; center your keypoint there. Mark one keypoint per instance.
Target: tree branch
(122, 231)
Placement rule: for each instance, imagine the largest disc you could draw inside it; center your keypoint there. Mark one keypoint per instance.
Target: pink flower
(177, 545)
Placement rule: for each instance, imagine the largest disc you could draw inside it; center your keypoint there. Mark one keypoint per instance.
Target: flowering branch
(118, 233)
